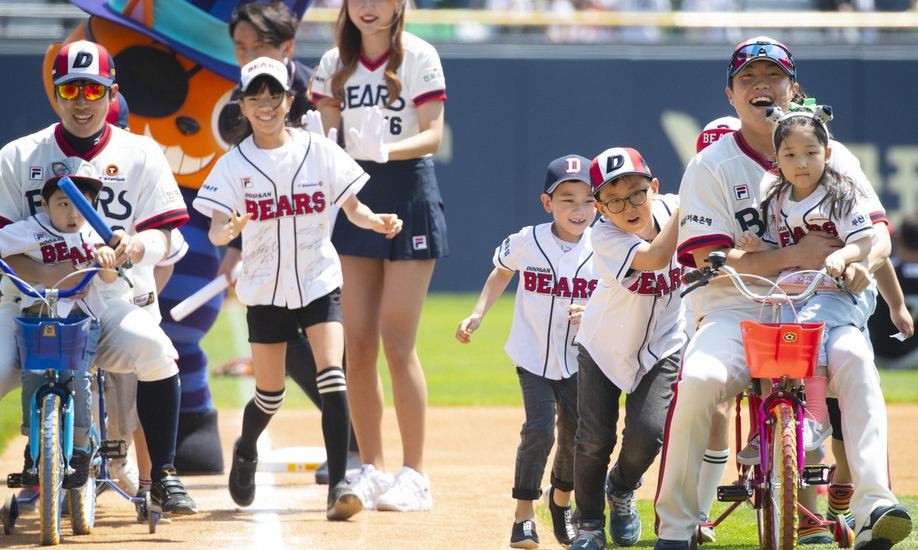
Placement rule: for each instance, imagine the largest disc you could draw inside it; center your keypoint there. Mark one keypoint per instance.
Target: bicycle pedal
(816, 474)
(113, 448)
(14, 481)
(732, 493)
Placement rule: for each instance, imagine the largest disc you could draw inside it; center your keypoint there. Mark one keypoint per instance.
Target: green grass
(736, 532)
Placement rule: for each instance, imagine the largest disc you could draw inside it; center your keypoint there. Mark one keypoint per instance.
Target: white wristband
(154, 246)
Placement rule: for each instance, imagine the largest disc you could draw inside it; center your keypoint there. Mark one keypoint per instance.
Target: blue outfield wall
(507, 118)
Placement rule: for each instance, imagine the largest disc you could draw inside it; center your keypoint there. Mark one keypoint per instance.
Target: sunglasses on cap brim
(753, 52)
(91, 91)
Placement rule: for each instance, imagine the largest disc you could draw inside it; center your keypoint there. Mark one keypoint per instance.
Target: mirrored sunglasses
(92, 92)
(751, 52)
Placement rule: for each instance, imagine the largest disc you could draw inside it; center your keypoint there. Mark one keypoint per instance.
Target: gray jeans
(646, 410)
(542, 397)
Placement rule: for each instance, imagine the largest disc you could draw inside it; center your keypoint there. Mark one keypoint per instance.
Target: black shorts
(409, 189)
(275, 324)
(835, 418)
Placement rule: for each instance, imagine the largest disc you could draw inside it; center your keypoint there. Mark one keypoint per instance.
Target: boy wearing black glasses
(141, 201)
(630, 340)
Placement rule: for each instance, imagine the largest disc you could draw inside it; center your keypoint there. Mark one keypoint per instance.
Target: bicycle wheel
(780, 498)
(83, 506)
(50, 469)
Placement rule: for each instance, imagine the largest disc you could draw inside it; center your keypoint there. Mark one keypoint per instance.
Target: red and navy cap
(761, 48)
(87, 185)
(716, 129)
(567, 168)
(614, 163)
(83, 60)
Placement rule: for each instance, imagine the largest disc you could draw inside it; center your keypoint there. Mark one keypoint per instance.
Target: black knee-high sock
(336, 421)
(157, 409)
(255, 419)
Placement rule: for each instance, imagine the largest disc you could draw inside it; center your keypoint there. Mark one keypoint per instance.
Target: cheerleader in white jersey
(286, 181)
(387, 88)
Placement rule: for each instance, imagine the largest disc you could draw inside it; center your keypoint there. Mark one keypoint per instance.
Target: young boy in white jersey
(630, 341)
(60, 234)
(556, 278)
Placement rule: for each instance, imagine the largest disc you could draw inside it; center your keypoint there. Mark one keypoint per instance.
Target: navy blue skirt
(409, 189)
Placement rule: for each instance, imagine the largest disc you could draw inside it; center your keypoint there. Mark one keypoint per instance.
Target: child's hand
(835, 265)
(903, 320)
(388, 224)
(748, 242)
(233, 228)
(105, 257)
(468, 325)
(856, 276)
(574, 313)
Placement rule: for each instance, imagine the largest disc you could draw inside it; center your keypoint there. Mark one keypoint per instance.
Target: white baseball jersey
(635, 318)
(287, 256)
(420, 73)
(797, 218)
(139, 191)
(37, 238)
(541, 337)
(720, 198)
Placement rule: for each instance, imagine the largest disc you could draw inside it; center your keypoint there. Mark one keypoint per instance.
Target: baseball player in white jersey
(141, 201)
(720, 196)
(555, 263)
(637, 300)
(288, 181)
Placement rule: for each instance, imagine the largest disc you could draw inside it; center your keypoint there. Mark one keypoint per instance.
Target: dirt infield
(470, 460)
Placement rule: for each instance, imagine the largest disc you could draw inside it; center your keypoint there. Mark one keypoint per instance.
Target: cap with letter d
(83, 60)
(567, 168)
(614, 163)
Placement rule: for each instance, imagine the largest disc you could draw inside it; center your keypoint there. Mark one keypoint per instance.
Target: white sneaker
(750, 453)
(410, 493)
(370, 484)
(124, 472)
(815, 433)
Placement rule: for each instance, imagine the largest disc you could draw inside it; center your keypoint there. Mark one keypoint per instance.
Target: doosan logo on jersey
(302, 203)
(367, 96)
(651, 283)
(543, 283)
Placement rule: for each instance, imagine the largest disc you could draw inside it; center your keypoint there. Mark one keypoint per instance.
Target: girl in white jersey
(387, 88)
(286, 181)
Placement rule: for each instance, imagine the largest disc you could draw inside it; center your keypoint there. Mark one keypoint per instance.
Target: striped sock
(839, 501)
(336, 421)
(811, 532)
(712, 470)
(255, 419)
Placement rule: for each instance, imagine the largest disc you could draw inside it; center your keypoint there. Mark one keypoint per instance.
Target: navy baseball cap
(567, 168)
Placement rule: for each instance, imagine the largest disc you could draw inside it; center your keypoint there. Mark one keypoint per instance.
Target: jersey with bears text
(797, 218)
(139, 191)
(720, 197)
(287, 256)
(421, 76)
(542, 338)
(37, 238)
(635, 318)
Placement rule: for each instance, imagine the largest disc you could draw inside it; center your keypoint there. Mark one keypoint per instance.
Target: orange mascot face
(172, 99)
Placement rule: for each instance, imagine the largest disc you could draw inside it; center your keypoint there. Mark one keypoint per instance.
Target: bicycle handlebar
(718, 261)
(28, 290)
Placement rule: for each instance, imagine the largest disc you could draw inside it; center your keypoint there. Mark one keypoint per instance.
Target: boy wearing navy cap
(555, 264)
(630, 340)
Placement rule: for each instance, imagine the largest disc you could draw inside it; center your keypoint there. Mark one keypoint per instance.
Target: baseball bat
(95, 220)
(204, 294)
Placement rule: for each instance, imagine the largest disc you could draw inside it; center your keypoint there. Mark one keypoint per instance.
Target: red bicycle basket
(774, 350)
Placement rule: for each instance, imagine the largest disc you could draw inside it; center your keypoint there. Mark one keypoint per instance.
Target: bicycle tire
(50, 469)
(780, 502)
(83, 506)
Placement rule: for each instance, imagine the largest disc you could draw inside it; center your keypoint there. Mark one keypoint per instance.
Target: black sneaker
(591, 535)
(887, 526)
(561, 519)
(524, 535)
(342, 502)
(29, 473)
(79, 462)
(242, 478)
(169, 496)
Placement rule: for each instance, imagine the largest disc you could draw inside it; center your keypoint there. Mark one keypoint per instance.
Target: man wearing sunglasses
(720, 199)
(140, 200)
